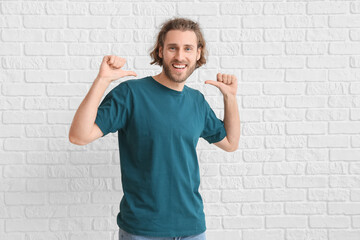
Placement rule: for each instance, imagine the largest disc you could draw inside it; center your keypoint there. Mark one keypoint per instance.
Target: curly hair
(182, 24)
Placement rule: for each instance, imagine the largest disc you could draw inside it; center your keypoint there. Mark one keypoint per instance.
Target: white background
(296, 174)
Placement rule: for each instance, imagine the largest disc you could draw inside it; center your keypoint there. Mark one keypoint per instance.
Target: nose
(179, 56)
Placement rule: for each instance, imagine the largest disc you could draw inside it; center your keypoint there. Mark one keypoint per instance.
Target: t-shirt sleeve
(115, 109)
(214, 129)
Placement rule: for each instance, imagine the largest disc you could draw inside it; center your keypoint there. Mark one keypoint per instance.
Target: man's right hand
(110, 68)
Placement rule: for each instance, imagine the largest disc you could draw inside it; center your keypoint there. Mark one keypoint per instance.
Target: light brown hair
(182, 24)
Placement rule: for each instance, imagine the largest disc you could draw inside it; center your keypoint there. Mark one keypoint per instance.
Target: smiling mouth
(179, 66)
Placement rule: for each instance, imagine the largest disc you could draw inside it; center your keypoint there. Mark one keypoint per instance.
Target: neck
(164, 80)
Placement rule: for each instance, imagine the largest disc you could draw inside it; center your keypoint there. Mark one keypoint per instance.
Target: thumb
(130, 73)
(215, 83)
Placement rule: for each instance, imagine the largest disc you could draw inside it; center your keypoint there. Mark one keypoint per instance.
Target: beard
(178, 77)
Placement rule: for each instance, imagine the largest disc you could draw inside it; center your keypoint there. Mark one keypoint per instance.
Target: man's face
(179, 55)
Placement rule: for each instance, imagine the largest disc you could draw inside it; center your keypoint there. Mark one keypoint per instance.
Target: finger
(225, 79)
(233, 79)
(117, 63)
(219, 77)
(122, 62)
(112, 59)
(215, 83)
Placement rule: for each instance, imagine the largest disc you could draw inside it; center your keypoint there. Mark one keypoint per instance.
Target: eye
(188, 49)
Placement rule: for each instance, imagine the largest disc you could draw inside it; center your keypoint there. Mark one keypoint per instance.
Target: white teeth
(179, 66)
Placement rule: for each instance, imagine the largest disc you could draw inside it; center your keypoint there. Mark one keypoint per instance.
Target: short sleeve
(214, 129)
(115, 109)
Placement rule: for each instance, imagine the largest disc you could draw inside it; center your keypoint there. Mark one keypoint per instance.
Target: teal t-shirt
(158, 130)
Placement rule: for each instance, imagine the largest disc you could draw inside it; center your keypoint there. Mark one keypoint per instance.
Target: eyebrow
(174, 44)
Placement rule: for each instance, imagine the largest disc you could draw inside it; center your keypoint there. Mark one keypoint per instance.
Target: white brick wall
(296, 174)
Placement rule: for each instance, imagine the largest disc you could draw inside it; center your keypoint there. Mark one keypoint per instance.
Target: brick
(73, 224)
(44, 22)
(283, 88)
(305, 102)
(294, 75)
(46, 211)
(306, 181)
(344, 234)
(241, 35)
(306, 21)
(288, 8)
(15, 89)
(68, 172)
(344, 181)
(344, 21)
(305, 208)
(154, 9)
(264, 156)
(241, 195)
(329, 222)
(24, 171)
(326, 88)
(262, 75)
(65, 8)
(326, 34)
(327, 114)
(255, 234)
(327, 62)
(275, 195)
(92, 210)
(67, 35)
(286, 168)
(67, 198)
(285, 221)
(133, 23)
(88, 22)
(276, 115)
(344, 208)
(305, 48)
(47, 185)
(112, 36)
(328, 141)
(44, 49)
(243, 222)
(263, 22)
(229, 209)
(284, 62)
(284, 35)
(110, 9)
(237, 62)
(27, 225)
(263, 182)
(25, 144)
(329, 194)
(331, 8)
(8, 49)
(315, 168)
(262, 102)
(306, 128)
(240, 169)
(198, 9)
(240, 8)
(25, 198)
(106, 197)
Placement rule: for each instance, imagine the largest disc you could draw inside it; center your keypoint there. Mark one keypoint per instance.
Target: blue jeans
(128, 236)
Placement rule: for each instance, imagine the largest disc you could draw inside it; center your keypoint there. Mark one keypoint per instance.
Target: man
(159, 121)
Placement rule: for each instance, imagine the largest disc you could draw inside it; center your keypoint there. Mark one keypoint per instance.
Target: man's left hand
(226, 83)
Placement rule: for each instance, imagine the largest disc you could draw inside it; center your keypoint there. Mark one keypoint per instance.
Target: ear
(160, 52)
(198, 54)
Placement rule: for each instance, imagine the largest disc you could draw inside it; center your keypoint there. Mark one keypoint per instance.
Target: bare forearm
(232, 120)
(84, 118)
